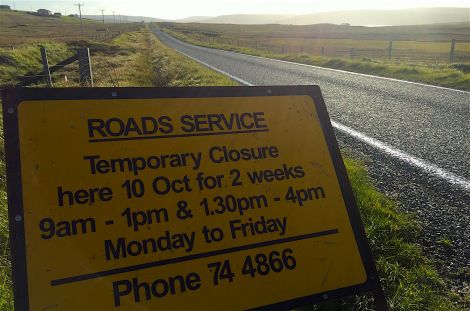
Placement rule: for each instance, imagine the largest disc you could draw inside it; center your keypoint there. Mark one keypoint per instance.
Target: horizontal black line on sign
(165, 262)
(175, 136)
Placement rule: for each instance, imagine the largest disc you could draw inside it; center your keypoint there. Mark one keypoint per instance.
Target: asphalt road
(414, 138)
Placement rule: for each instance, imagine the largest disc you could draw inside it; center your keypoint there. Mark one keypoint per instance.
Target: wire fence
(452, 51)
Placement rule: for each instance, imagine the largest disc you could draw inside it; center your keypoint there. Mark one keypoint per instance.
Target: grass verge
(166, 67)
(6, 297)
(454, 76)
(26, 60)
(409, 278)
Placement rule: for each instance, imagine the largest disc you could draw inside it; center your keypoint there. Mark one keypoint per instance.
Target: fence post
(45, 66)
(301, 50)
(322, 51)
(84, 66)
(351, 52)
(452, 50)
(390, 49)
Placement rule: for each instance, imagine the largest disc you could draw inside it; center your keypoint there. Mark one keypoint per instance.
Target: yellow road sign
(206, 198)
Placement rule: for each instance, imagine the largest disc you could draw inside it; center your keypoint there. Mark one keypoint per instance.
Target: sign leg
(380, 300)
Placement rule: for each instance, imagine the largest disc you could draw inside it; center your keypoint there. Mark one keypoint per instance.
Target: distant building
(44, 12)
(4, 7)
(57, 14)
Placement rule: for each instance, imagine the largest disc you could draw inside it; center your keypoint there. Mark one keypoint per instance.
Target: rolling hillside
(418, 16)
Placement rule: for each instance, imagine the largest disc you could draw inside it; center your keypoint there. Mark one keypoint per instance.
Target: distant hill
(193, 19)
(111, 18)
(418, 16)
(254, 19)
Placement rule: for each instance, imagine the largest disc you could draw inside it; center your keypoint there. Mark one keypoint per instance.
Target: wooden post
(322, 51)
(84, 66)
(45, 66)
(301, 50)
(452, 50)
(390, 44)
(283, 48)
(351, 52)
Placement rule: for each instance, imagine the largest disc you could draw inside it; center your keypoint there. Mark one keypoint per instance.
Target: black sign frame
(12, 97)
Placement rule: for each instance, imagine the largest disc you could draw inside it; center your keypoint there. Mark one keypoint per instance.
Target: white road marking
(396, 153)
(389, 150)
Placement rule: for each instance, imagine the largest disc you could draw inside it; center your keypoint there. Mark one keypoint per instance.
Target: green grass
(169, 68)
(139, 59)
(454, 76)
(6, 297)
(463, 274)
(26, 60)
(410, 280)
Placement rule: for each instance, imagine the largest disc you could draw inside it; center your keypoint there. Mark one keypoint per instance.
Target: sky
(174, 9)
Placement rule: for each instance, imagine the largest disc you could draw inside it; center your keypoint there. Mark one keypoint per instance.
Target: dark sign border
(12, 97)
